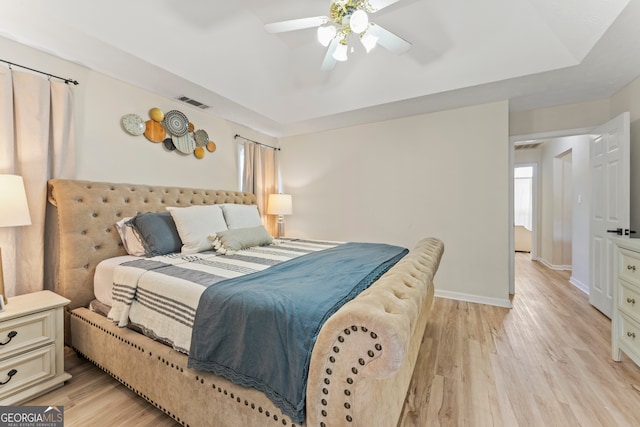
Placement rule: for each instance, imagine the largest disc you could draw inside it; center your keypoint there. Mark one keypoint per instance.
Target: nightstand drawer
(629, 266)
(25, 333)
(629, 300)
(31, 368)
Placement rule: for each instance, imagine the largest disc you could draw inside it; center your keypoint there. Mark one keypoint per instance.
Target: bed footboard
(160, 375)
(363, 360)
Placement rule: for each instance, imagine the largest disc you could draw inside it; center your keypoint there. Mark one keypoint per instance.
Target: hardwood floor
(545, 362)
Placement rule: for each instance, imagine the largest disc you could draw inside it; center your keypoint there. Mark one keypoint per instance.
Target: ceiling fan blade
(296, 24)
(390, 41)
(329, 61)
(376, 5)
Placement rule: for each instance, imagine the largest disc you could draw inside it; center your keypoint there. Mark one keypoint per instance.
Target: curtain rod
(256, 142)
(67, 81)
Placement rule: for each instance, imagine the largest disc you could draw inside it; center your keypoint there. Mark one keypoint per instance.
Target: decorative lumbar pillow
(241, 216)
(195, 224)
(157, 233)
(230, 241)
(130, 240)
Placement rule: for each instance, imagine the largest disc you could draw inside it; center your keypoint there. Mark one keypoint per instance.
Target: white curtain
(522, 196)
(260, 177)
(36, 142)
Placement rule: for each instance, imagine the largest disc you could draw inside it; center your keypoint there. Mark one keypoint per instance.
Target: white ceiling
(535, 53)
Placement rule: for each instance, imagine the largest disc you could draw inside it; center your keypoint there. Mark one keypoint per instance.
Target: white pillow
(195, 224)
(241, 216)
(129, 238)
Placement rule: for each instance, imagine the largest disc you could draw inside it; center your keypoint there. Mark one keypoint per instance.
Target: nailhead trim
(116, 377)
(275, 417)
(361, 361)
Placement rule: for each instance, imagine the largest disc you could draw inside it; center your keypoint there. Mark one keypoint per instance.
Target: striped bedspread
(160, 295)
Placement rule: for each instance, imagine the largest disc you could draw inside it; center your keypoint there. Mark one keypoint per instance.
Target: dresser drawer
(629, 266)
(31, 368)
(629, 300)
(26, 332)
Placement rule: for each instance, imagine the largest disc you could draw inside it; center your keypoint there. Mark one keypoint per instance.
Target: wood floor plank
(544, 362)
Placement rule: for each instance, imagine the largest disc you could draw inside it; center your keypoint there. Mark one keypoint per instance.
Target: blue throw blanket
(259, 330)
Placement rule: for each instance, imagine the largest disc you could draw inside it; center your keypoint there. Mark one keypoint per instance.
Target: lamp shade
(14, 210)
(279, 204)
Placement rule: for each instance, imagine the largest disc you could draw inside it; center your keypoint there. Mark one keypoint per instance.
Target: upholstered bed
(361, 363)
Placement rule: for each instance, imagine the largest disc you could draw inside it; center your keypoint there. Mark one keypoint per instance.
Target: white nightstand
(32, 346)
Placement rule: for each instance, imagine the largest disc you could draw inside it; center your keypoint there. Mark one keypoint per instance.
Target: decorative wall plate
(176, 123)
(199, 152)
(133, 124)
(211, 146)
(201, 137)
(154, 132)
(156, 114)
(168, 144)
(185, 143)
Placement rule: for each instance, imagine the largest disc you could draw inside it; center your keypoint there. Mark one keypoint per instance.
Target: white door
(609, 154)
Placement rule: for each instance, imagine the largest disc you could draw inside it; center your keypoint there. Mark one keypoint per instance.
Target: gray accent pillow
(241, 216)
(230, 241)
(157, 232)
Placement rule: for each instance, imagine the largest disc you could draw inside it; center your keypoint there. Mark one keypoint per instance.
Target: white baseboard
(552, 266)
(578, 284)
(499, 302)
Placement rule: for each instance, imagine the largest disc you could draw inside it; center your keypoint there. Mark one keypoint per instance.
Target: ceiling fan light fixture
(359, 21)
(326, 34)
(369, 41)
(340, 54)
(346, 20)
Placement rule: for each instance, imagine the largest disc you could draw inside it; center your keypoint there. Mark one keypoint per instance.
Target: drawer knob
(631, 267)
(631, 301)
(11, 373)
(631, 334)
(10, 336)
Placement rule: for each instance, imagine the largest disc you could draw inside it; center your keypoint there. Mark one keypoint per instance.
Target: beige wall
(562, 117)
(105, 152)
(443, 174)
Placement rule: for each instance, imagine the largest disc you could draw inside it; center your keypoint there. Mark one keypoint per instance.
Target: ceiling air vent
(192, 102)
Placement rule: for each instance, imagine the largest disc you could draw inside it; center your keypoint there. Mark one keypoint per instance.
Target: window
(522, 196)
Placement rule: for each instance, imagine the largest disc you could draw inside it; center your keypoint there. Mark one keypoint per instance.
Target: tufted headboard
(84, 220)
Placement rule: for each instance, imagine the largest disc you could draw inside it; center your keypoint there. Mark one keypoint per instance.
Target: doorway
(600, 164)
(560, 228)
(524, 190)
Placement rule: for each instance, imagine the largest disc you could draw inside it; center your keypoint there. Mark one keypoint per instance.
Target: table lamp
(281, 205)
(14, 210)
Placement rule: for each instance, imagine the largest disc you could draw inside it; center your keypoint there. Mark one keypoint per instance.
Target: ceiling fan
(347, 19)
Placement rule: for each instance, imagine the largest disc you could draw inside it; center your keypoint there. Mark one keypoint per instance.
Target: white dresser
(625, 321)
(31, 346)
